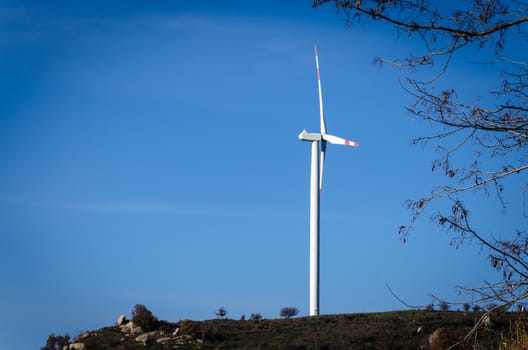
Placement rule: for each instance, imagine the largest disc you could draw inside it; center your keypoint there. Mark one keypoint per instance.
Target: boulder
(486, 321)
(121, 320)
(145, 336)
(164, 340)
(82, 336)
(438, 340)
(131, 328)
(75, 346)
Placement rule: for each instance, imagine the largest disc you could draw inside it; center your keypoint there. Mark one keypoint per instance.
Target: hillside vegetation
(387, 330)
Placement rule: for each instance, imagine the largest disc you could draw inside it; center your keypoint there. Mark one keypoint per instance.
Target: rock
(121, 320)
(142, 338)
(182, 340)
(145, 336)
(438, 340)
(82, 336)
(131, 328)
(486, 321)
(75, 346)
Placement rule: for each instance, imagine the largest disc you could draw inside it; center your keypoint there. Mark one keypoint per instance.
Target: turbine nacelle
(308, 136)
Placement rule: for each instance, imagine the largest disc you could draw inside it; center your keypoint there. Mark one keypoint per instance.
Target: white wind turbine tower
(316, 181)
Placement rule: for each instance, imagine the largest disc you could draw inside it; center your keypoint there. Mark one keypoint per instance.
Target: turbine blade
(321, 165)
(321, 114)
(339, 141)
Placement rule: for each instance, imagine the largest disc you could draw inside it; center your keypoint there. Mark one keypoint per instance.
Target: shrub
(430, 307)
(466, 307)
(444, 306)
(221, 313)
(143, 317)
(256, 317)
(56, 342)
(289, 311)
(211, 334)
(190, 327)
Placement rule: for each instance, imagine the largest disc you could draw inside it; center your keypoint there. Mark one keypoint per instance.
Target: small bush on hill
(289, 311)
(56, 342)
(444, 306)
(256, 317)
(190, 327)
(221, 313)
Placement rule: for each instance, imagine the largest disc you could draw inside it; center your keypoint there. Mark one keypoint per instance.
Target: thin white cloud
(113, 207)
(146, 208)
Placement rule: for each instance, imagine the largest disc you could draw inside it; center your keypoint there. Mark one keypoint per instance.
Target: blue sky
(149, 154)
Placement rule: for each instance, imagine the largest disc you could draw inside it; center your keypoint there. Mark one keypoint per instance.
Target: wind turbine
(316, 181)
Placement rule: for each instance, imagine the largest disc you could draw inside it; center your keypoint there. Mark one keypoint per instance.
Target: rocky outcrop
(164, 340)
(121, 320)
(74, 346)
(146, 336)
(131, 328)
(82, 336)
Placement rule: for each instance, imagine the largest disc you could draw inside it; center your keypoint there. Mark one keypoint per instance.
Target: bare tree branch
(493, 129)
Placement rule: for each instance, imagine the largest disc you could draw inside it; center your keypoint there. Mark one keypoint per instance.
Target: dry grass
(518, 339)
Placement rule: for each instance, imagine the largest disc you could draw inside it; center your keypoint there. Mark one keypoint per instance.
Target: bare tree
(494, 128)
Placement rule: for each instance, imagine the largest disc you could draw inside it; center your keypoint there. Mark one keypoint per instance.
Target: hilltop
(386, 330)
